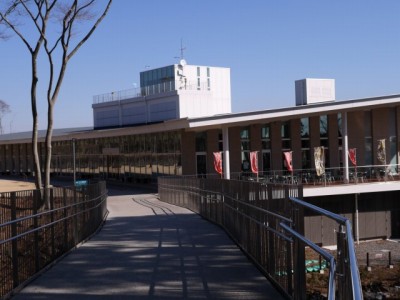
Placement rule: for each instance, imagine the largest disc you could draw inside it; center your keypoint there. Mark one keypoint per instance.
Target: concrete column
(226, 163)
(345, 148)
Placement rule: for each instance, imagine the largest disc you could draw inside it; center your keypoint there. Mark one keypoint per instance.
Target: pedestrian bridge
(149, 249)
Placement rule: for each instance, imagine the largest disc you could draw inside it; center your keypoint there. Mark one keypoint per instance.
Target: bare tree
(56, 23)
(4, 109)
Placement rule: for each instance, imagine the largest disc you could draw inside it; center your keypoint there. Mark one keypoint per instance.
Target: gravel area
(378, 252)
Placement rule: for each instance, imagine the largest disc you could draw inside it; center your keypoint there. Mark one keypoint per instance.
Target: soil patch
(11, 185)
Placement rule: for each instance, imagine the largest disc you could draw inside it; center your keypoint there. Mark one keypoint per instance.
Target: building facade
(183, 142)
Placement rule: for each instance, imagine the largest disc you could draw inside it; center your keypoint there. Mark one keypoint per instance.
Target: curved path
(148, 249)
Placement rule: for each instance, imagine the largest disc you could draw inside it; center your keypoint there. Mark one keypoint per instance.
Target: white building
(314, 90)
(172, 92)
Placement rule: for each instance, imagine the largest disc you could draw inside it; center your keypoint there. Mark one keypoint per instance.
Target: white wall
(189, 100)
(205, 102)
(314, 90)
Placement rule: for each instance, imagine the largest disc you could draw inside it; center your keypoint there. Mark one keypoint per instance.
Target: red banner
(254, 161)
(288, 160)
(353, 156)
(218, 162)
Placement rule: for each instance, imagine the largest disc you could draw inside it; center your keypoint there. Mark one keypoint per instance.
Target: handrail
(355, 275)
(323, 253)
(243, 203)
(342, 220)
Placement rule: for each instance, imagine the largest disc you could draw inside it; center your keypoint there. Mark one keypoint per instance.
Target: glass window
(339, 120)
(367, 123)
(266, 161)
(208, 72)
(323, 130)
(265, 137)
(164, 74)
(323, 126)
(285, 135)
(393, 154)
(220, 142)
(245, 149)
(158, 75)
(304, 128)
(201, 142)
(285, 130)
(244, 133)
(177, 142)
(305, 159)
(305, 143)
(368, 151)
(265, 132)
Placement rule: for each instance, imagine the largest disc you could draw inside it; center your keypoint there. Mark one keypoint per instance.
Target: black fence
(267, 222)
(31, 237)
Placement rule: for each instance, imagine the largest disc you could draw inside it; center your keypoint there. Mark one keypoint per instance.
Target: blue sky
(267, 44)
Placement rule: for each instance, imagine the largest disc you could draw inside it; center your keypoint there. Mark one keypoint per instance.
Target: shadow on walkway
(148, 249)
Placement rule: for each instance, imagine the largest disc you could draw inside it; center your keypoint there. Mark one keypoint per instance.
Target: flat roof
(215, 121)
(295, 111)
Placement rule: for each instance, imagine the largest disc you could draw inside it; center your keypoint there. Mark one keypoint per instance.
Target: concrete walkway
(152, 250)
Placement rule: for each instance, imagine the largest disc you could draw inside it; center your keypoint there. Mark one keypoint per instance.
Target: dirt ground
(12, 185)
(380, 281)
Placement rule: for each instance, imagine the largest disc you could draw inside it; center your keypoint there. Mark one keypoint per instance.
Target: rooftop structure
(314, 90)
(172, 92)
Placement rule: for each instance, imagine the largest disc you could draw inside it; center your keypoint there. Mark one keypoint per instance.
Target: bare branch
(4, 107)
(4, 19)
(91, 30)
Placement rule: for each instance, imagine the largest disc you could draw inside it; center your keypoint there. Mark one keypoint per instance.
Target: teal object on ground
(312, 265)
(81, 182)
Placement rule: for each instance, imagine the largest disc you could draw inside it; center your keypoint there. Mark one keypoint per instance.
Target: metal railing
(31, 237)
(343, 271)
(360, 174)
(149, 90)
(267, 222)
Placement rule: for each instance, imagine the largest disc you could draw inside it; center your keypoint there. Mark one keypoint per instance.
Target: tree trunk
(35, 123)
(49, 135)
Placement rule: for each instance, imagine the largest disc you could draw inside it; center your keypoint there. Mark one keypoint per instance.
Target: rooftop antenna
(182, 49)
(182, 61)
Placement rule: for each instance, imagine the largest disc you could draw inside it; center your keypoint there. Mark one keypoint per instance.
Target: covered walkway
(148, 249)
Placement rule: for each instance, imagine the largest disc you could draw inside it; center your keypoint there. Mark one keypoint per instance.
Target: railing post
(36, 202)
(53, 237)
(270, 235)
(14, 243)
(289, 267)
(75, 218)
(343, 268)
(299, 253)
(65, 213)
